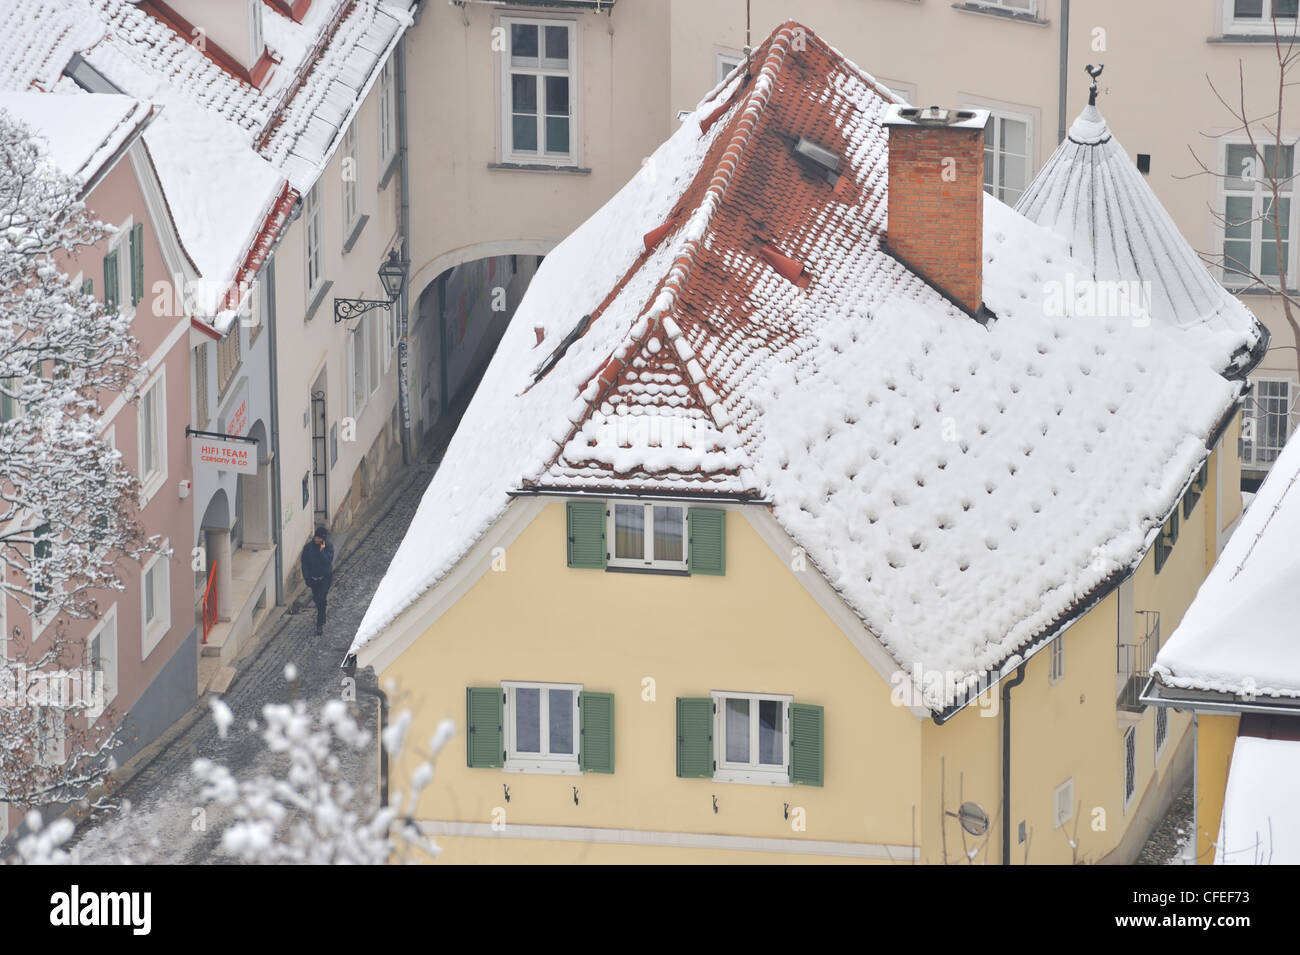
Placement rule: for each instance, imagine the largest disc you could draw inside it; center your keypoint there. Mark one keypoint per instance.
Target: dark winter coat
(318, 564)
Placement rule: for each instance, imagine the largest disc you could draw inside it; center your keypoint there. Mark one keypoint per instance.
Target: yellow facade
(890, 773)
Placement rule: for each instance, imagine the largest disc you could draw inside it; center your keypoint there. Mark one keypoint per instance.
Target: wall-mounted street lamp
(392, 275)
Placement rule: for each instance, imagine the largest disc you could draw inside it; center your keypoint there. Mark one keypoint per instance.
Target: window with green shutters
(484, 708)
(540, 727)
(1165, 542)
(651, 536)
(585, 533)
(750, 738)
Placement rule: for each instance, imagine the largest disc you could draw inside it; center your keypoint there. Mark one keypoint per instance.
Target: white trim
(120, 245)
(311, 214)
(540, 157)
(1264, 25)
(723, 55)
(677, 840)
(152, 481)
(1066, 788)
(177, 260)
(350, 149)
(849, 623)
(409, 625)
(152, 634)
(109, 654)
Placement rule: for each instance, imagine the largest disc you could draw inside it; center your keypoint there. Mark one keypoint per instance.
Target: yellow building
(782, 531)
(1234, 664)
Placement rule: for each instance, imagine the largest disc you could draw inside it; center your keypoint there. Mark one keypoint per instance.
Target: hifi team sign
(238, 456)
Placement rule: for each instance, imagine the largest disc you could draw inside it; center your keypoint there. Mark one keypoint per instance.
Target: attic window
(816, 159)
(540, 371)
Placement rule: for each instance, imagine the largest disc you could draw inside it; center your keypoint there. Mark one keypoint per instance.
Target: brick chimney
(936, 198)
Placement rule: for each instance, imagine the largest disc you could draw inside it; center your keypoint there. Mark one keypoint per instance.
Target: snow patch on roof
(82, 131)
(1239, 634)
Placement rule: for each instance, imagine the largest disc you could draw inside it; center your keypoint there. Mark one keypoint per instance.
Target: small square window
(1064, 803)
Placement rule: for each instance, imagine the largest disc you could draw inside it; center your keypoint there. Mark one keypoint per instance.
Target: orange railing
(210, 602)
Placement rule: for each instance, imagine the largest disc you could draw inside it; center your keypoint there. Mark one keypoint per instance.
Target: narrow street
(163, 824)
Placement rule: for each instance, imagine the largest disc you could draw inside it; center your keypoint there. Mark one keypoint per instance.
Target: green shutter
(110, 281)
(596, 749)
(484, 707)
(88, 287)
(585, 533)
(807, 746)
(707, 532)
(694, 738)
(137, 263)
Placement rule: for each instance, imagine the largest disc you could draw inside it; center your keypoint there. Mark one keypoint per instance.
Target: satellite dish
(973, 819)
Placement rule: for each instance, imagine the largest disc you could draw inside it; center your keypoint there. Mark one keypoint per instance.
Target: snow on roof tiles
(82, 133)
(1239, 634)
(962, 487)
(1092, 193)
(223, 148)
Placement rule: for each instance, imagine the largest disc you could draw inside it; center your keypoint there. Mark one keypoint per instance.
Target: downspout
(1065, 56)
(404, 231)
(350, 670)
(1006, 761)
(276, 528)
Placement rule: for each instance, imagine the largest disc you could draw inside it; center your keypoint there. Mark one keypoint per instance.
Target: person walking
(318, 572)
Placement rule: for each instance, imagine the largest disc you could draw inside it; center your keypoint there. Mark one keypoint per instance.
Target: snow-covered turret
(1091, 193)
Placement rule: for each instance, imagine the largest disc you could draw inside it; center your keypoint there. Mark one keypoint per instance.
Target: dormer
(229, 32)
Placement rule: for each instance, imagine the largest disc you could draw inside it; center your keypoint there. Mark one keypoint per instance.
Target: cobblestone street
(161, 825)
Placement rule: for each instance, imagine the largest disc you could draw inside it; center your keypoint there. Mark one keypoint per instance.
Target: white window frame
(1056, 659)
(1029, 8)
(202, 406)
(387, 115)
(647, 561)
(1063, 795)
(1130, 739)
(153, 631)
(753, 772)
(350, 151)
(722, 56)
(544, 762)
(313, 240)
(1000, 112)
(152, 479)
(1232, 25)
(357, 401)
(1255, 413)
(540, 157)
(375, 329)
(106, 634)
(1258, 195)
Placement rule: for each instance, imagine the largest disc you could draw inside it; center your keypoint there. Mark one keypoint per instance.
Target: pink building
(145, 637)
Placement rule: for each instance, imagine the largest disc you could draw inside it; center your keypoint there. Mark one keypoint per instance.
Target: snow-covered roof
(82, 133)
(231, 156)
(1261, 821)
(1239, 634)
(963, 487)
(1092, 193)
